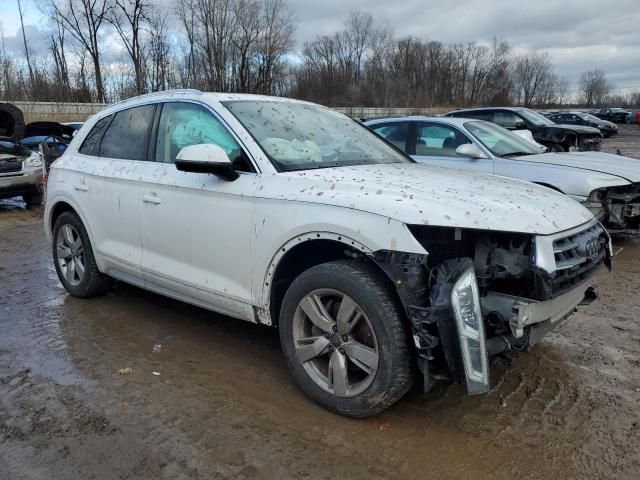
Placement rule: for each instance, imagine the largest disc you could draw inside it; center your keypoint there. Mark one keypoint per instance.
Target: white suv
(289, 214)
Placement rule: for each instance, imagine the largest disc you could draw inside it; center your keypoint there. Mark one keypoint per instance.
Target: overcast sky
(579, 35)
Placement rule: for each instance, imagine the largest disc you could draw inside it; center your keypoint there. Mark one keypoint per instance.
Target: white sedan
(608, 185)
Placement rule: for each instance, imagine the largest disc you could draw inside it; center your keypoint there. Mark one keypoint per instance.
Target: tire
(83, 283)
(32, 200)
(379, 330)
(555, 147)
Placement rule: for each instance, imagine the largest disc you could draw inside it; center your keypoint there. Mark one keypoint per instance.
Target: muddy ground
(225, 406)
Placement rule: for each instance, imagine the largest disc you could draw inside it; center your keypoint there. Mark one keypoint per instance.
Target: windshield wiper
(517, 154)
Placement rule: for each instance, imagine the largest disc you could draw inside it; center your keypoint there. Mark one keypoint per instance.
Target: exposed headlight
(34, 161)
(465, 300)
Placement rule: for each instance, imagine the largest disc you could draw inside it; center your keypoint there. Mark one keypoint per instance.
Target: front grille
(577, 256)
(10, 165)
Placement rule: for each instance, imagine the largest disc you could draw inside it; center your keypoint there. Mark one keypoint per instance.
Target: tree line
(248, 46)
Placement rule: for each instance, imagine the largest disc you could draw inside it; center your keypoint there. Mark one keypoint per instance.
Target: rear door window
(128, 135)
(91, 144)
(396, 133)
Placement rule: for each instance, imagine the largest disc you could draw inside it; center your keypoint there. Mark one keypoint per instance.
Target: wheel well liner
(300, 254)
(58, 210)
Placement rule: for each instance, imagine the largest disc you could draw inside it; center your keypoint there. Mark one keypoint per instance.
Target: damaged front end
(477, 294)
(618, 208)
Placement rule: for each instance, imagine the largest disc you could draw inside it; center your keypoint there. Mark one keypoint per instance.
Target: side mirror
(470, 150)
(520, 125)
(206, 158)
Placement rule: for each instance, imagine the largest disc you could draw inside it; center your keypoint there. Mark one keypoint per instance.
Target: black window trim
(97, 155)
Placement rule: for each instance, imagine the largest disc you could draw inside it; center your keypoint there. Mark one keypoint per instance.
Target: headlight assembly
(34, 161)
(465, 302)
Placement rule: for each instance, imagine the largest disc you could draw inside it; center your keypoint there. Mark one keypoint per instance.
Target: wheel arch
(299, 254)
(59, 205)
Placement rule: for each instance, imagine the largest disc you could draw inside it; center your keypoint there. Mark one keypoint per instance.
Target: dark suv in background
(616, 115)
(580, 118)
(557, 138)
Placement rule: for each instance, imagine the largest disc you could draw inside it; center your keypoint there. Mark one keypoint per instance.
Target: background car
(557, 138)
(616, 115)
(609, 185)
(581, 118)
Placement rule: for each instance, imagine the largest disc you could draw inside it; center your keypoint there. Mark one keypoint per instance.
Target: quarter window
(91, 144)
(128, 135)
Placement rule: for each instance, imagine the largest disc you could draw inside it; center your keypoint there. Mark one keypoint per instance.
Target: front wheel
(555, 147)
(344, 340)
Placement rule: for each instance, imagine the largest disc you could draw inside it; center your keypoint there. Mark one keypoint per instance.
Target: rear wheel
(344, 340)
(74, 260)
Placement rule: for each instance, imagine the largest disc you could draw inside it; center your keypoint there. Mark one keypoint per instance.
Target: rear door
(196, 228)
(108, 190)
(436, 144)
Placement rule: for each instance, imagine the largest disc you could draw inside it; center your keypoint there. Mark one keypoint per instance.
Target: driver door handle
(83, 187)
(151, 198)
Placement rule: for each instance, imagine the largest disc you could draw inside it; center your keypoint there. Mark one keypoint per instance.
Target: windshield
(500, 141)
(299, 136)
(589, 117)
(534, 117)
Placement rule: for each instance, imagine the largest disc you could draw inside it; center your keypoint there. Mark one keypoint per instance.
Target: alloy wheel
(70, 254)
(335, 342)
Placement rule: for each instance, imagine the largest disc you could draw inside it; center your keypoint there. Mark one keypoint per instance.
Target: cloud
(579, 35)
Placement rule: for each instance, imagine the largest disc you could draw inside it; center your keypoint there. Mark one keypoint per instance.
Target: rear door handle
(151, 198)
(83, 187)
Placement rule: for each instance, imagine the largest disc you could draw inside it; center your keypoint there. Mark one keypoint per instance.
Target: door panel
(196, 228)
(112, 154)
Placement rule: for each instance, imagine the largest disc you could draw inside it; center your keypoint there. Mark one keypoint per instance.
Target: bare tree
(360, 30)
(128, 18)
(159, 51)
(594, 87)
(530, 72)
(245, 40)
(57, 48)
(26, 47)
(83, 19)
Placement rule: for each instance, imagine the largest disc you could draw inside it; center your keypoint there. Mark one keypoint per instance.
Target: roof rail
(161, 92)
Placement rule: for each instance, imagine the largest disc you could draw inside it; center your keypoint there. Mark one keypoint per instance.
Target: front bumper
(27, 182)
(524, 312)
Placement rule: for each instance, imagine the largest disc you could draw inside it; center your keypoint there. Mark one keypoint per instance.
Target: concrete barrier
(57, 112)
(79, 112)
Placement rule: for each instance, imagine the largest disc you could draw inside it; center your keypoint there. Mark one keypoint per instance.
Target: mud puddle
(221, 403)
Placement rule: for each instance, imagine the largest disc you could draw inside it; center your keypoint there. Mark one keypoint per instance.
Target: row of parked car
(477, 140)
(379, 267)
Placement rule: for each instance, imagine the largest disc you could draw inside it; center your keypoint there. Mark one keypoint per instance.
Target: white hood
(426, 195)
(623, 167)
